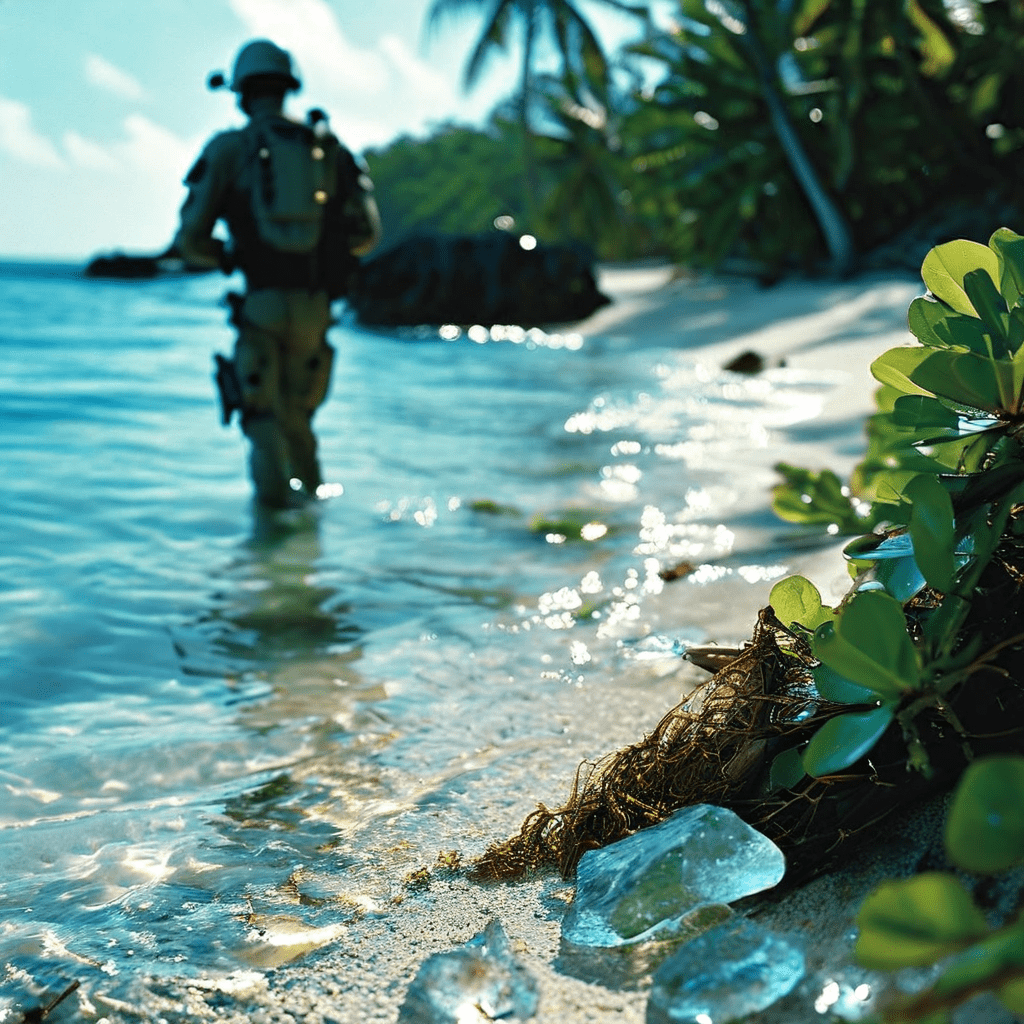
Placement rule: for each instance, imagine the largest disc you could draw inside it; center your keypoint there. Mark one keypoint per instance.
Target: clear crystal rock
(650, 884)
(481, 981)
(733, 970)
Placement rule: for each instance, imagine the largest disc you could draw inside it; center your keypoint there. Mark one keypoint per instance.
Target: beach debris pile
(709, 749)
(654, 884)
(480, 981)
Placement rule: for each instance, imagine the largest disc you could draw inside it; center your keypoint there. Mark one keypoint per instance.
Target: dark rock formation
(123, 266)
(475, 279)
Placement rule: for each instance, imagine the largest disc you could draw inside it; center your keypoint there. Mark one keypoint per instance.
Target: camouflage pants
(283, 364)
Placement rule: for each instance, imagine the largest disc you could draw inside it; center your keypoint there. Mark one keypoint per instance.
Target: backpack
(294, 178)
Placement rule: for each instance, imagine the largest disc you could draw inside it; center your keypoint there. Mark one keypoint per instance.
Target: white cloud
(146, 146)
(19, 137)
(425, 81)
(308, 29)
(150, 146)
(104, 75)
(86, 153)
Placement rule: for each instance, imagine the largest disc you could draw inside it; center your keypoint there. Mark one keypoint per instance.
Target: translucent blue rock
(650, 884)
(733, 970)
(480, 981)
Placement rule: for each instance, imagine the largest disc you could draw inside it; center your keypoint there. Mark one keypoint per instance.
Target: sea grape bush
(932, 918)
(944, 471)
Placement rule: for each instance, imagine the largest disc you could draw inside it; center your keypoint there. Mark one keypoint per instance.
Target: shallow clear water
(211, 715)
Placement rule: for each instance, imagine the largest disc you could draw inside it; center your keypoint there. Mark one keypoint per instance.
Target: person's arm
(360, 213)
(208, 182)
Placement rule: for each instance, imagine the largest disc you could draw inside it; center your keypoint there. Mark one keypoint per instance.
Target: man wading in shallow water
(299, 211)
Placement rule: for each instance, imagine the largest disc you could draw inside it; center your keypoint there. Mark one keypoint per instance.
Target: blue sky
(104, 106)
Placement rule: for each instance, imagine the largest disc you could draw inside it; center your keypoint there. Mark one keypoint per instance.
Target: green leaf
(966, 379)
(990, 306)
(979, 964)
(923, 317)
(924, 414)
(937, 53)
(796, 601)
(815, 499)
(838, 689)
(1015, 338)
(985, 827)
(787, 769)
(944, 268)
(869, 645)
(964, 332)
(932, 531)
(845, 739)
(916, 921)
(1009, 249)
(1011, 995)
(896, 366)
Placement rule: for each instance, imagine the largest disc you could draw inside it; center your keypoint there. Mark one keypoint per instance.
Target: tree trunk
(531, 189)
(830, 218)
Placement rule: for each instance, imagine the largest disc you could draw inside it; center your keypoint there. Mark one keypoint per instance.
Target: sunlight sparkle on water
(848, 1003)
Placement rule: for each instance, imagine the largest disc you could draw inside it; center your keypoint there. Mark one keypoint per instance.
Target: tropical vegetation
(926, 647)
(770, 135)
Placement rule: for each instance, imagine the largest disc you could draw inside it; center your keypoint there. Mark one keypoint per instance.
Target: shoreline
(828, 330)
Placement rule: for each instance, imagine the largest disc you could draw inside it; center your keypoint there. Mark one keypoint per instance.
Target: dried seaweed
(705, 750)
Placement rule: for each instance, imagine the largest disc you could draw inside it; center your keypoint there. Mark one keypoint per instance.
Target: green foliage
(932, 919)
(985, 829)
(917, 921)
(944, 469)
(797, 603)
(818, 499)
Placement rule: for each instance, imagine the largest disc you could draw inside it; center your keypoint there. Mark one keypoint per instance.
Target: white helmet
(262, 57)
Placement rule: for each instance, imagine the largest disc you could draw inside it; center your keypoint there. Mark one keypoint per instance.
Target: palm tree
(580, 49)
(831, 220)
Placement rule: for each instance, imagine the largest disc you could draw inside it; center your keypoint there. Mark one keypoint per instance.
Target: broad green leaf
(1009, 249)
(916, 921)
(796, 600)
(990, 306)
(924, 414)
(787, 769)
(964, 332)
(1011, 995)
(1015, 338)
(966, 379)
(979, 964)
(836, 688)
(985, 827)
(944, 268)
(901, 577)
(845, 739)
(1017, 381)
(896, 366)
(869, 645)
(923, 316)
(932, 531)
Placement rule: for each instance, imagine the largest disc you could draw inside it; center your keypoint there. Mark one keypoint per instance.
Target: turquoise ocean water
(211, 715)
